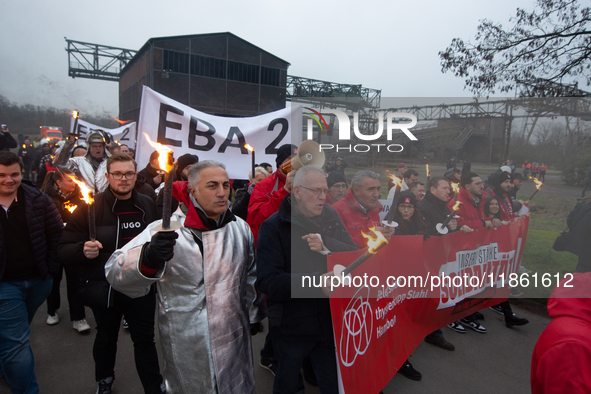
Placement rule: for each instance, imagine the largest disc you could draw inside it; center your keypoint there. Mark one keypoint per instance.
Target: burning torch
(428, 172)
(373, 243)
(166, 161)
(539, 185)
(389, 222)
(251, 149)
(88, 198)
(442, 227)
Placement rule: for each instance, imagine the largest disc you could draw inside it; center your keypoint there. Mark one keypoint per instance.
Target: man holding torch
(92, 167)
(121, 214)
(293, 243)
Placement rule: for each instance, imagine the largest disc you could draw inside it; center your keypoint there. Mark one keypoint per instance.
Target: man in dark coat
(30, 228)
(301, 327)
(579, 224)
(152, 174)
(121, 214)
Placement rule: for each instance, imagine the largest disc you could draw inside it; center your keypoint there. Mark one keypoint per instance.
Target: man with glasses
(121, 213)
(293, 243)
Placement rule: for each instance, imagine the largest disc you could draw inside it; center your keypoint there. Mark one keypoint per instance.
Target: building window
(177, 62)
(208, 67)
(270, 76)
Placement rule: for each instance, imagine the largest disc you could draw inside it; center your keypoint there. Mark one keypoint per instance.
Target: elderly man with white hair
(205, 274)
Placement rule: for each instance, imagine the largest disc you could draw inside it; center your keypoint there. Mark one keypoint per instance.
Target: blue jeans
(290, 356)
(18, 303)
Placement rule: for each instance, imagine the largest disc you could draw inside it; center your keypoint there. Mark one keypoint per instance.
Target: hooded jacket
(562, 356)
(265, 199)
(471, 213)
(354, 219)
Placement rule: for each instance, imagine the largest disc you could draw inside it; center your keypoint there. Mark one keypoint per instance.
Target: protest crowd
(223, 269)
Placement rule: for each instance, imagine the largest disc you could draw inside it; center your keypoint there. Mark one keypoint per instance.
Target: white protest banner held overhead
(186, 130)
(125, 134)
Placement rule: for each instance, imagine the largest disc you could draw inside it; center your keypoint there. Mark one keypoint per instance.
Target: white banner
(125, 134)
(186, 130)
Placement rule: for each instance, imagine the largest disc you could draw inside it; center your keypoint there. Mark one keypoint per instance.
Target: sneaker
(478, 316)
(105, 386)
(439, 341)
(473, 324)
(53, 319)
(497, 309)
(408, 371)
(523, 270)
(81, 325)
(515, 321)
(125, 324)
(268, 365)
(457, 327)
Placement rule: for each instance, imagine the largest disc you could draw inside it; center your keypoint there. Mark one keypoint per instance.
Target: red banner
(410, 288)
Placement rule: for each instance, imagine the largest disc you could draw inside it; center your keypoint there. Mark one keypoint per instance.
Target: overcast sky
(387, 45)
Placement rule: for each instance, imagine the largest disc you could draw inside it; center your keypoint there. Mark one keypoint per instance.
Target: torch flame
(455, 187)
(397, 181)
(250, 148)
(163, 152)
(70, 207)
(121, 122)
(24, 146)
(427, 168)
(75, 114)
(86, 191)
(538, 183)
(374, 243)
(456, 206)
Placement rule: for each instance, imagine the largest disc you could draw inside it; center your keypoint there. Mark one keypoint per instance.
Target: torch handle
(448, 219)
(167, 201)
(91, 222)
(536, 192)
(360, 260)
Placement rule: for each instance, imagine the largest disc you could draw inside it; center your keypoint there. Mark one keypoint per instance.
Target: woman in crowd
(66, 197)
(492, 209)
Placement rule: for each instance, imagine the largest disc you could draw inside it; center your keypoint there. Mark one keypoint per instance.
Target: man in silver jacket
(92, 167)
(205, 307)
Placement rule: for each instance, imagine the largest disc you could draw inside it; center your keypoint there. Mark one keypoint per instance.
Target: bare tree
(551, 43)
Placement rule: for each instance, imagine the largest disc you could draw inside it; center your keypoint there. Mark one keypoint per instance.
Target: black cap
(503, 176)
(407, 197)
(184, 161)
(284, 152)
(517, 175)
(335, 177)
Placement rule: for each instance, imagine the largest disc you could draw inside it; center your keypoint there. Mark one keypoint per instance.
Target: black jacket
(45, 229)
(278, 237)
(76, 233)
(579, 224)
(149, 174)
(434, 211)
(240, 207)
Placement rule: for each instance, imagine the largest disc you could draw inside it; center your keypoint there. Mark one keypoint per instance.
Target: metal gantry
(94, 61)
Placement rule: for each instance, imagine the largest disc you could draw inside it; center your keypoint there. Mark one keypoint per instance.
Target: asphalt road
(495, 362)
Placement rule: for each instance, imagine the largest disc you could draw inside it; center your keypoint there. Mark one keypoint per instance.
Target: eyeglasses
(117, 175)
(317, 191)
(406, 207)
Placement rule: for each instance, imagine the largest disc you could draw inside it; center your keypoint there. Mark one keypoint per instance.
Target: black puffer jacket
(434, 211)
(45, 229)
(76, 233)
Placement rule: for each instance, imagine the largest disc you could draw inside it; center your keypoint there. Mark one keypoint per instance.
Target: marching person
(30, 229)
(92, 167)
(361, 207)
(121, 214)
(205, 274)
(240, 206)
(409, 177)
(65, 195)
(152, 174)
(337, 187)
(289, 247)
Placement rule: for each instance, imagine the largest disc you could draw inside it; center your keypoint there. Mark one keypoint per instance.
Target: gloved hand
(255, 328)
(159, 250)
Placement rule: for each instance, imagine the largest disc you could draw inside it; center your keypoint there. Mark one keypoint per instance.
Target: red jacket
(470, 214)
(355, 220)
(265, 199)
(562, 357)
(329, 200)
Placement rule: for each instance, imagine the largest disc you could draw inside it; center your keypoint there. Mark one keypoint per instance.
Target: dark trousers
(267, 350)
(139, 314)
(290, 357)
(54, 300)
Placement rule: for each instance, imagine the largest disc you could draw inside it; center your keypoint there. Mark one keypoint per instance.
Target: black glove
(255, 328)
(159, 250)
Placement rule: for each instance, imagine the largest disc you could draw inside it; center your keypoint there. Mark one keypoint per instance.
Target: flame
(455, 187)
(121, 122)
(374, 243)
(538, 183)
(427, 169)
(70, 207)
(75, 114)
(397, 181)
(250, 148)
(456, 206)
(163, 151)
(87, 195)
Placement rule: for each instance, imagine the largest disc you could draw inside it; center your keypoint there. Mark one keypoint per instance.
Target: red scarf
(507, 210)
(180, 191)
